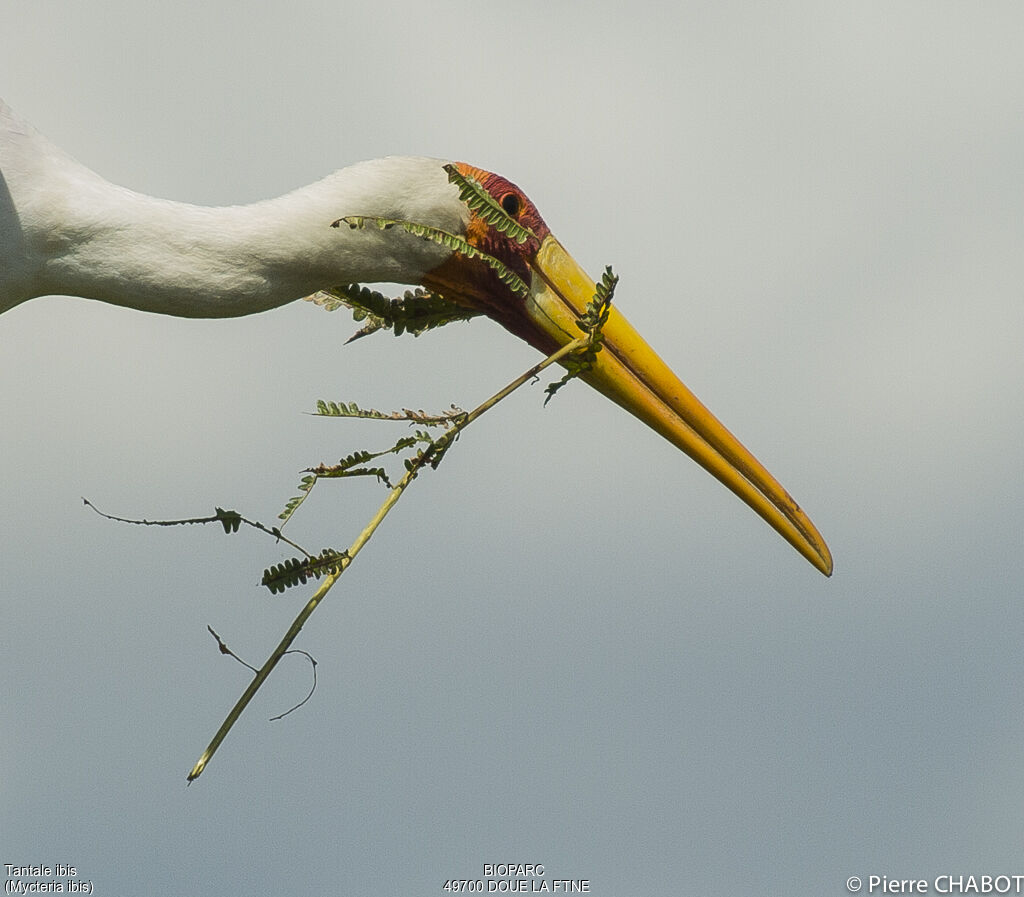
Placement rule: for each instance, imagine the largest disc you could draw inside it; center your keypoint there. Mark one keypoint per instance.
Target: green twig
(429, 456)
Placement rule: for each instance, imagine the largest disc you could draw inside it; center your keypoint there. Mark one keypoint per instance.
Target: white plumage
(65, 230)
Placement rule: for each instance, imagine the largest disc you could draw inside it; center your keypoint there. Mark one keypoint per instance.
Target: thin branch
(430, 456)
(224, 649)
(230, 520)
(312, 688)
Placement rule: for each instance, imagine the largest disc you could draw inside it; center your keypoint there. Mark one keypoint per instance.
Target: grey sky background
(570, 646)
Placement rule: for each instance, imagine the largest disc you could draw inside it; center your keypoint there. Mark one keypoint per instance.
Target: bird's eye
(511, 204)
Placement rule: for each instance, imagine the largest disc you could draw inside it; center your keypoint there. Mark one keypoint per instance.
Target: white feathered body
(65, 230)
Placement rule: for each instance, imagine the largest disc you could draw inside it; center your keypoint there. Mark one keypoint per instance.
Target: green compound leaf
(297, 571)
(443, 238)
(349, 467)
(416, 312)
(305, 486)
(435, 451)
(351, 409)
(594, 317)
(356, 464)
(473, 194)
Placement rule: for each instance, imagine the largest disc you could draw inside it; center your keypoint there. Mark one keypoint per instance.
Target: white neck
(65, 230)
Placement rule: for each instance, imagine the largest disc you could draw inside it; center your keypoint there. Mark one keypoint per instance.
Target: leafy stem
(591, 323)
(340, 562)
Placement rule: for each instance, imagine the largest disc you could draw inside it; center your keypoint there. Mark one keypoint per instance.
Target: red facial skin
(473, 283)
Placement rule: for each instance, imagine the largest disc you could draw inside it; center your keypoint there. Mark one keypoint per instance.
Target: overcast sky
(569, 646)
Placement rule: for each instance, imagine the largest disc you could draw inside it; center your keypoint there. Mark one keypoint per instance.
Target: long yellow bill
(630, 373)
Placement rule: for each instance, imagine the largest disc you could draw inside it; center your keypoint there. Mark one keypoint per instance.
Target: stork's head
(544, 312)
